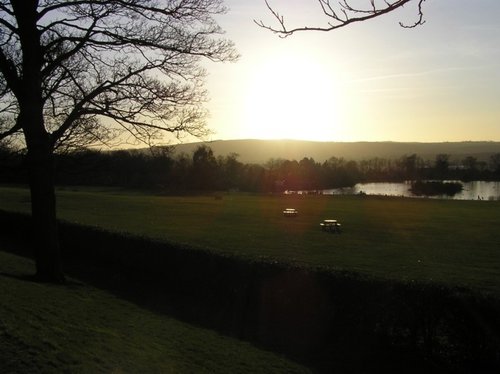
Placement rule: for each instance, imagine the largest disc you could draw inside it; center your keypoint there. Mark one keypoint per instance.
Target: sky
(371, 81)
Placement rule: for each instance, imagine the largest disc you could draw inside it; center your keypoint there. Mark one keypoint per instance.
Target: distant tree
(180, 172)
(289, 173)
(254, 178)
(495, 164)
(343, 13)
(310, 175)
(471, 167)
(410, 166)
(280, 175)
(160, 165)
(442, 165)
(232, 170)
(205, 169)
(67, 64)
(340, 173)
(376, 169)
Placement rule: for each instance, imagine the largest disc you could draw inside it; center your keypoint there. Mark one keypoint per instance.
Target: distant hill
(261, 151)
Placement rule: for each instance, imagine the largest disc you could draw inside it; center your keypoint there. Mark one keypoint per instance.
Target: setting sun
(372, 82)
(292, 97)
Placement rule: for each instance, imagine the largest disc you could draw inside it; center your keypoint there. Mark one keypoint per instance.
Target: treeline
(160, 168)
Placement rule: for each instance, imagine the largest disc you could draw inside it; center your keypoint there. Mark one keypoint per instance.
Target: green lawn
(76, 328)
(454, 242)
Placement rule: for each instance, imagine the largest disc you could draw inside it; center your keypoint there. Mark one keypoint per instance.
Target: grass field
(453, 242)
(75, 328)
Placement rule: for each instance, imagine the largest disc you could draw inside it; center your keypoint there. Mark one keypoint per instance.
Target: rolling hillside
(261, 151)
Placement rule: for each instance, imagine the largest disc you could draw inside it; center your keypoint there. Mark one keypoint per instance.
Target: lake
(476, 190)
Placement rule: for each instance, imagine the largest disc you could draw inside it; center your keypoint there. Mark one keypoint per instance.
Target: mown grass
(453, 242)
(75, 328)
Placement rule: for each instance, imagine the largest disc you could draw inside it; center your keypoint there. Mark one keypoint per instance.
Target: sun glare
(293, 97)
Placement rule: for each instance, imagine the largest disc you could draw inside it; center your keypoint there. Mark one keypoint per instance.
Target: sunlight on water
(477, 190)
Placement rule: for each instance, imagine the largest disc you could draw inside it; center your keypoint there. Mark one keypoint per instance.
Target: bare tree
(78, 71)
(340, 13)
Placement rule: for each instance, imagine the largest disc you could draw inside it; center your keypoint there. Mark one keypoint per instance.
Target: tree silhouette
(442, 164)
(343, 13)
(67, 65)
(204, 170)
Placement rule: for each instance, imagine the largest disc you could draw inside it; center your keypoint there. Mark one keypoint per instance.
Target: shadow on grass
(260, 324)
(22, 277)
(32, 278)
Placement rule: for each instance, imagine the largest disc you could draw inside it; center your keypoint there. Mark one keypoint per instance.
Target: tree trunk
(45, 239)
(39, 144)
(44, 222)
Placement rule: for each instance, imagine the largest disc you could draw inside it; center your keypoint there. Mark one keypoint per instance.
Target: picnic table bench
(331, 225)
(290, 212)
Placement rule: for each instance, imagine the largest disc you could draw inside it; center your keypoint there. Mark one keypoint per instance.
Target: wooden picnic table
(331, 225)
(290, 212)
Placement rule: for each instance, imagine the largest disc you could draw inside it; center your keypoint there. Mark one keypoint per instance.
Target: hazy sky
(370, 81)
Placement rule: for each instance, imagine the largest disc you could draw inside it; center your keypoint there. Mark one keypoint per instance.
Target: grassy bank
(79, 329)
(453, 242)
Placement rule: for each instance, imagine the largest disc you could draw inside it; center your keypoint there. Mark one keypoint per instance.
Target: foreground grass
(79, 329)
(453, 242)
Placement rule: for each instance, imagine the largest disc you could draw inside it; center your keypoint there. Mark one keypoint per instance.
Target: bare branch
(419, 21)
(341, 15)
(6, 132)
(135, 62)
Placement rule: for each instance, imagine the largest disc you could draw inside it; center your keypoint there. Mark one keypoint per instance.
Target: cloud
(419, 73)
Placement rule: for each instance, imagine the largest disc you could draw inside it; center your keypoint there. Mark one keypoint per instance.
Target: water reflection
(476, 190)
